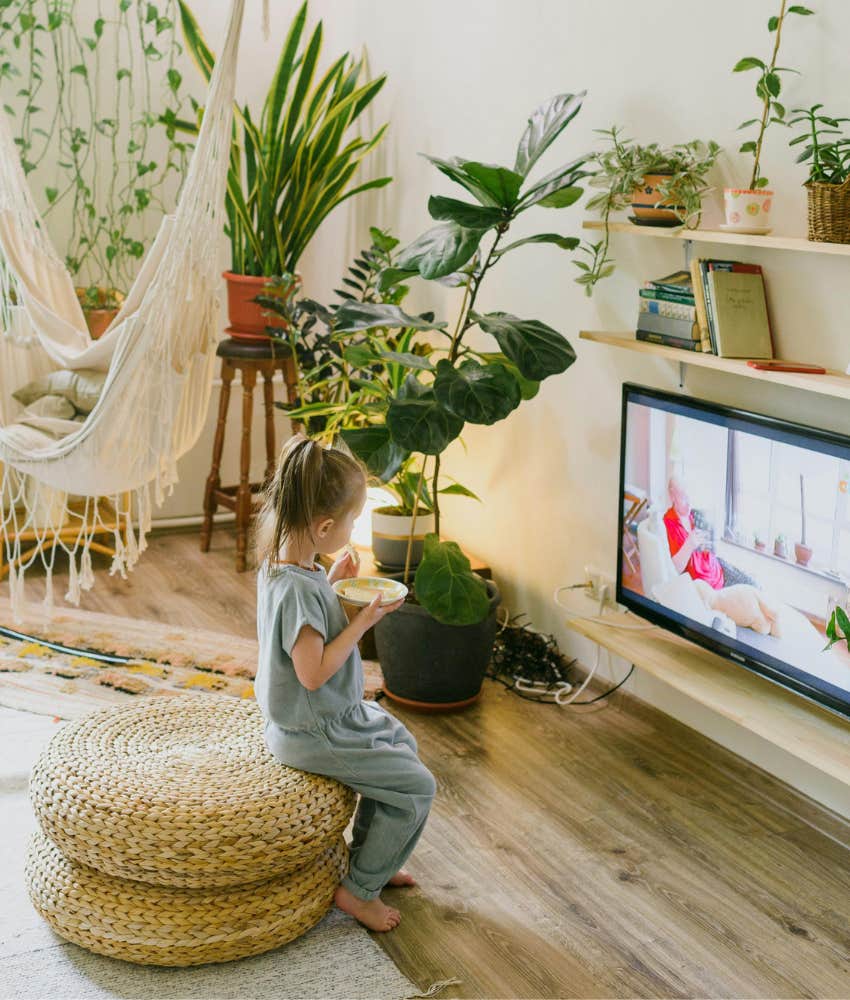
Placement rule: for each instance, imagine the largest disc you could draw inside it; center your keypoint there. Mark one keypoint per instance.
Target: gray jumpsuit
(333, 731)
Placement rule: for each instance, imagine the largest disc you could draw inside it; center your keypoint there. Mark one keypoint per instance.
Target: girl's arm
(315, 662)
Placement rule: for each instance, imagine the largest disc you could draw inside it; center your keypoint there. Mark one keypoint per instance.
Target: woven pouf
(183, 792)
(155, 925)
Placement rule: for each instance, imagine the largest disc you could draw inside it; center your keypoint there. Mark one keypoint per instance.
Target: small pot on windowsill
(802, 553)
(779, 548)
(649, 207)
(759, 546)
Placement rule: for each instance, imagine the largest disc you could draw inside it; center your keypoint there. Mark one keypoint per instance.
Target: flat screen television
(735, 533)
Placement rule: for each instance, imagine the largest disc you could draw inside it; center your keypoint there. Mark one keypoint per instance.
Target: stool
(250, 358)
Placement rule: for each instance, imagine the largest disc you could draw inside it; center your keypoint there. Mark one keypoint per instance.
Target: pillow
(81, 388)
(51, 406)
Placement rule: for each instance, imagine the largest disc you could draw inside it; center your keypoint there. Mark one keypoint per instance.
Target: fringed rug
(163, 660)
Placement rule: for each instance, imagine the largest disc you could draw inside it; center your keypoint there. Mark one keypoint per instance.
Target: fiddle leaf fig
(536, 349)
(353, 316)
(480, 394)
(376, 449)
(446, 586)
(564, 242)
(544, 126)
(440, 250)
(501, 184)
(418, 422)
(454, 170)
(463, 213)
(556, 180)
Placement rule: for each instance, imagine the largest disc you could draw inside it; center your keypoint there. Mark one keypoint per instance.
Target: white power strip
(600, 587)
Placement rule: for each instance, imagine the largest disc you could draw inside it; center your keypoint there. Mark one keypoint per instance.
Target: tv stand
(799, 727)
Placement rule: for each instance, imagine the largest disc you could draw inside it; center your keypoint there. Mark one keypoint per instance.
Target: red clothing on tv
(701, 565)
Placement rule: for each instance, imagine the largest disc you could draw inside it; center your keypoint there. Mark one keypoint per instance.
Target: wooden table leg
(268, 399)
(244, 500)
(214, 478)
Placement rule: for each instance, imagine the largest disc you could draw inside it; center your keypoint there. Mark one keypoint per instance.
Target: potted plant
(827, 152)
(435, 649)
(293, 164)
(664, 186)
(748, 209)
(780, 547)
(758, 542)
(802, 552)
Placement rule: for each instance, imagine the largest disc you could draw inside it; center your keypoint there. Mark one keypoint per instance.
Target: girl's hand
(344, 568)
(374, 612)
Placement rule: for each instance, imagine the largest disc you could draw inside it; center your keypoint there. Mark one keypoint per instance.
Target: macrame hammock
(158, 354)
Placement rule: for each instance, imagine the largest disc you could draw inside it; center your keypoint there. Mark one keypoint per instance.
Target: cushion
(153, 925)
(81, 388)
(51, 406)
(182, 791)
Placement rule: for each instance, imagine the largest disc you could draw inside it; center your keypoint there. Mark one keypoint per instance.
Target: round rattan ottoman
(183, 792)
(154, 925)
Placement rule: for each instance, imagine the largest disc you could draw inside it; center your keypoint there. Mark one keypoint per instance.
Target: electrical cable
(600, 616)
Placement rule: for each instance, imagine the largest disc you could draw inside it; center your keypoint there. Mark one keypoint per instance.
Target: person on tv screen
(689, 544)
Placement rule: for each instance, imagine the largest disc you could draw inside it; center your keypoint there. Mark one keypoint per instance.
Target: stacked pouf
(171, 836)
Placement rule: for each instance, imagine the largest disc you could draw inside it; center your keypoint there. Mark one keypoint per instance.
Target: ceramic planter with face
(747, 209)
(390, 534)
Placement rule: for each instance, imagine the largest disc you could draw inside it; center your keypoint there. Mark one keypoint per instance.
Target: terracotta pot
(98, 320)
(248, 319)
(390, 533)
(644, 200)
(747, 209)
(760, 546)
(802, 553)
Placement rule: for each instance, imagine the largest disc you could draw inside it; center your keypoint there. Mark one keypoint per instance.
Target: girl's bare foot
(373, 913)
(402, 877)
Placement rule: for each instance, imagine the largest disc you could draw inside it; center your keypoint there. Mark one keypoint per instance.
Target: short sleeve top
(288, 598)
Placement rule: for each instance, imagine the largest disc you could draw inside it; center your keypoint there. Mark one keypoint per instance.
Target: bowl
(362, 590)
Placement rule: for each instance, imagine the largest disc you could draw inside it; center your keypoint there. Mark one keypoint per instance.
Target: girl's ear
(324, 527)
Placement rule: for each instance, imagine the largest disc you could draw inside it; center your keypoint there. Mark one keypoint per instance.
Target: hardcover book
(739, 307)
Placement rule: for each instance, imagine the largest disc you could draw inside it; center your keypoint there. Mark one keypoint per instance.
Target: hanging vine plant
(87, 97)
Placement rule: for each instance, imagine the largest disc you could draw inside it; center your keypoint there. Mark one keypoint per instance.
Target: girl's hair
(310, 481)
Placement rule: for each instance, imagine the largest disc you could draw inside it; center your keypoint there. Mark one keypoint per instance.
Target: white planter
(747, 209)
(390, 534)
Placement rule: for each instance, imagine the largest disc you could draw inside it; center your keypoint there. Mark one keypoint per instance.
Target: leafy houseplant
(435, 648)
(827, 153)
(292, 165)
(749, 208)
(663, 185)
(85, 93)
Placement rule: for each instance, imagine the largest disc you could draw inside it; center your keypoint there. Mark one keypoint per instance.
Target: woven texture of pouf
(155, 925)
(183, 792)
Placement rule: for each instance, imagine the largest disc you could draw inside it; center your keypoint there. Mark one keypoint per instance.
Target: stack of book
(718, 307)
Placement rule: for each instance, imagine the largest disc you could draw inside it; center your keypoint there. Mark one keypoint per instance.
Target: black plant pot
(434, 667)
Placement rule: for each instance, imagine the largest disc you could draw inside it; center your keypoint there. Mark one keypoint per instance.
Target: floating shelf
(718, 236)
(834, 383)
(799, 727)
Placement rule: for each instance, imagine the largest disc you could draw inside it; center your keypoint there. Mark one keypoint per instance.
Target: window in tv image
(739, 533)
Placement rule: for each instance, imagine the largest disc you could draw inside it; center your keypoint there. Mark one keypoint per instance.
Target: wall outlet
(599, 582)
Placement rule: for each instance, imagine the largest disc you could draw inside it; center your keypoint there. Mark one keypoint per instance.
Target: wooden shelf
(797, 243)
(834, 383)
(799, 727)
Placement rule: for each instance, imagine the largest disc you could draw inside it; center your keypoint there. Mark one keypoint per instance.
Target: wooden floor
(604, 853)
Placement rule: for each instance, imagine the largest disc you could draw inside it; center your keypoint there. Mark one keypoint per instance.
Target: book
(685, 329)
(741, 326)
(660, 338)
(658, 293)
(661, 307)
(699, 303)
(678, 281)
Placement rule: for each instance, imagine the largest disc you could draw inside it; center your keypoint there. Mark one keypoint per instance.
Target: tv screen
(735, 532)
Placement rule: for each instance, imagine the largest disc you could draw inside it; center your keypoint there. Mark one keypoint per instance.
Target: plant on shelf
(749, 208)
(291, 165)
(664, 185)
(838, 628)
(827, 153)
(780, 547)
(84, 93)
(436, 647)
(759, 543)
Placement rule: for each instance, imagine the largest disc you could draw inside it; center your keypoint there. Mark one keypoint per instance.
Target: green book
(739, 307)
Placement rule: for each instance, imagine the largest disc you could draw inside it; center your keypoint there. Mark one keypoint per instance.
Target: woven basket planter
(829, 212)
(183, 792)
(153, 925)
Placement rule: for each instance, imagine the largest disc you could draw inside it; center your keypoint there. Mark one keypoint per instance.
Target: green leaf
(544, 126)
(750, 62)
(562, 198)
(440, 250)
(80, 70)
(773, 84)
(797, 9)
(392, 276)
(360, 355)
(564, 242)
(747, 147)
(417, 422)
(562, 177)
(51, 194)
(501, 184)
(446, 586)
(528, 388)
(408, 359)
(352, 317)
(843, 622)
(772, 23)
(535, 348)
(454, 169)
(376, 450)
(174, 79)
(456, 489)
(464, 213)
(479, 394)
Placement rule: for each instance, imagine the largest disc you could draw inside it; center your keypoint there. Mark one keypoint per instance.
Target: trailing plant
(460, 383)
(828, 158)
(294, 162)
(622, 167)
(768, 89)
(85, 92)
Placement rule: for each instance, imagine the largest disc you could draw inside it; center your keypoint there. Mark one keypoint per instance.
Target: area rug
(163, 661)
(336, 959)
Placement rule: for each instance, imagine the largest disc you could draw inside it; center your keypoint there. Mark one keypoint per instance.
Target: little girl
(309, 682)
